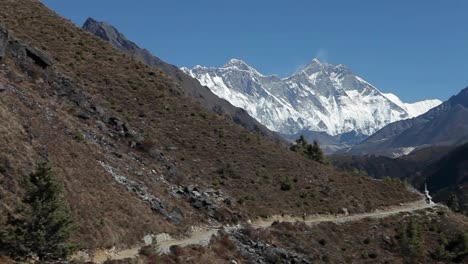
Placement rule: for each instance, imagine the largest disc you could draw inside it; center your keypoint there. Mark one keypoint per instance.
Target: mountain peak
(316, 61)
(314, 65)
(460, 98)
(92, 25)
(89, 21)
(236, 62)
(110, 34)
(241, 65)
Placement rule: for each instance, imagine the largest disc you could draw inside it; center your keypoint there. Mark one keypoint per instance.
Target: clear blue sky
(416, 49)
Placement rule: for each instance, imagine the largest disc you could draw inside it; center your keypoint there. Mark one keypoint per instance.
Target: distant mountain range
(322, 101)
(190, 86)
(444, 125)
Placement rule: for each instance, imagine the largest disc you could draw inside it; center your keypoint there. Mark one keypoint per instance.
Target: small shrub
(227, 242)
(322, 242)
(79, 136)
(147, 251)
(285, 186)
(146, 146)
(177, 250)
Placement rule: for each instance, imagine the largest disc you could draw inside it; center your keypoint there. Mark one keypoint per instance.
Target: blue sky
(416, 49)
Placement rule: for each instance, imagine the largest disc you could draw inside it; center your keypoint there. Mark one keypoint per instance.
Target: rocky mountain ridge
(189, 86)
(320, 97)
(444, 125)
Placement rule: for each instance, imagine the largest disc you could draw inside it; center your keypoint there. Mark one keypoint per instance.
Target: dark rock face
(208, 200)
(24, 53)
(444, 125)
(64, 87)
(190, 86)
(261, 253)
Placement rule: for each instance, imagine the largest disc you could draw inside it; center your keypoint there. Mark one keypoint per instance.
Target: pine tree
(313, 152)
(43, 226)
(317, 154)
(300, 145)
(453, 202)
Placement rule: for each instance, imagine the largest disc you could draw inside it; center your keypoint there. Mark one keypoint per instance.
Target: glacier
(319, 97)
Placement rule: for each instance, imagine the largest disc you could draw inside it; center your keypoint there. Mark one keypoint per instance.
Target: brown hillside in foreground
(122, 137)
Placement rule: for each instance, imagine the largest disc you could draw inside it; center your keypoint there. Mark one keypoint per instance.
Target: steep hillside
(443, 169)
(434, 236)
(448, 179)
(320, 97)
(444, 125)
(137, 156)
(188, 85)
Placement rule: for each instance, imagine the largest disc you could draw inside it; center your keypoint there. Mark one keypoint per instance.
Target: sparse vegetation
(404, 238)
(455, 250)
(408, 241)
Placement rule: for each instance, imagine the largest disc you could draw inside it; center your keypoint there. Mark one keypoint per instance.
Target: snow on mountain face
(319, 97)
(414, 109)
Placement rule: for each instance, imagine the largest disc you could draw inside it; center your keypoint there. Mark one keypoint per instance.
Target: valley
(109, 154)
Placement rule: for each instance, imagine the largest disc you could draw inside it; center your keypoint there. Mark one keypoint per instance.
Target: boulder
(176, 216)
(39, 57)
(63, 87)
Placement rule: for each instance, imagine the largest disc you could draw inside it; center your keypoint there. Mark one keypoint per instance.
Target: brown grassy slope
(371, 240)
(36, 126)
(206, 149)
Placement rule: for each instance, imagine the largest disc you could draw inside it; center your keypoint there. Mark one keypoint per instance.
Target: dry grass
(207, 149)
(219, 251)
(368, 241)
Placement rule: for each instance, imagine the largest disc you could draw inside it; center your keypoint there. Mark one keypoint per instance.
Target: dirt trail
(203, 235)
(315, 219)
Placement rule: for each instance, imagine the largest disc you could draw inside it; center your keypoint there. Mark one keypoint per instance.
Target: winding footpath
(203, 235)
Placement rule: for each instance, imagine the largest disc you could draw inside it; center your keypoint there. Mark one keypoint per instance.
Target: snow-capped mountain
(444, 125)
(319, 97)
